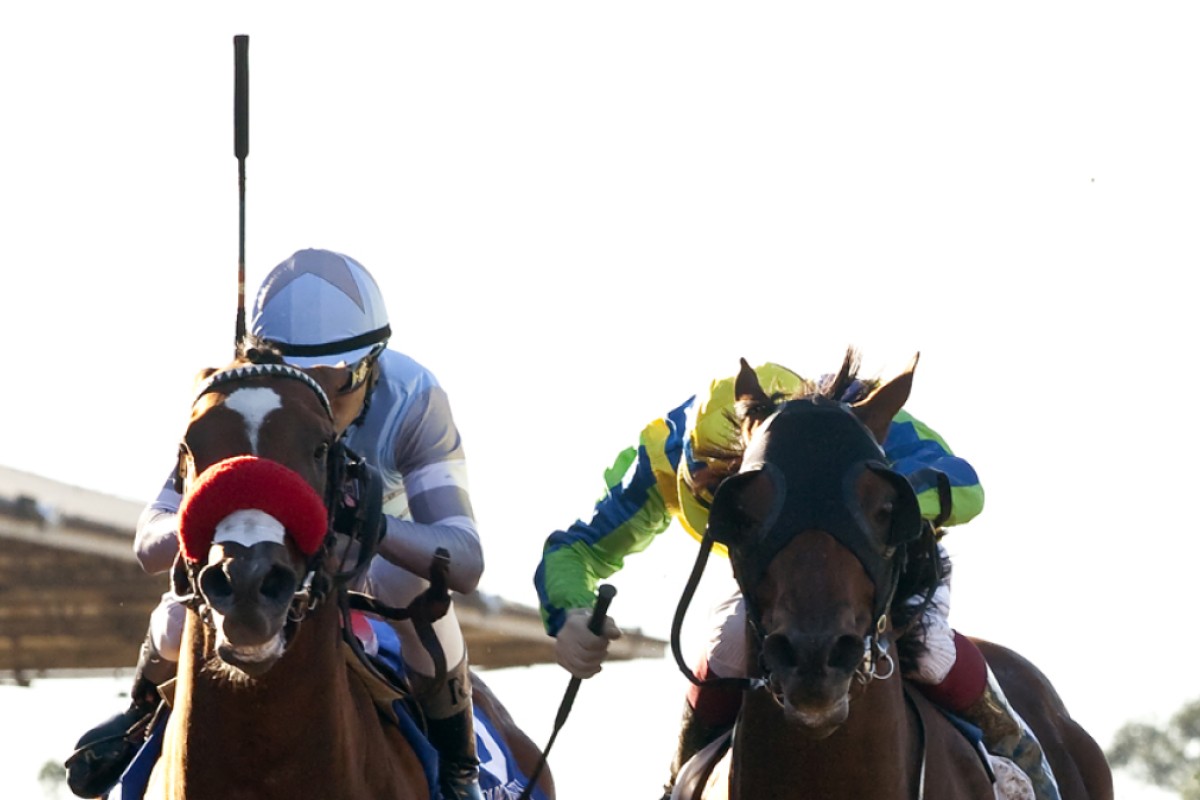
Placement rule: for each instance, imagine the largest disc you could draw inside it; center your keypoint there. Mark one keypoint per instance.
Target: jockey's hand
(578, 650)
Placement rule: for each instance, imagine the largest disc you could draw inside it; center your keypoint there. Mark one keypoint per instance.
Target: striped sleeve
(624, 521)
(921, 455)
(155, 541)
(428, 453)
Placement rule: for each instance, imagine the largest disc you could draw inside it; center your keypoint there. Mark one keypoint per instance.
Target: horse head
(816, 523)
(262, 472)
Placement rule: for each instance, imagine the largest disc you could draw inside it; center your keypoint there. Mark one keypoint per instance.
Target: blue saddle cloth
(500, 777)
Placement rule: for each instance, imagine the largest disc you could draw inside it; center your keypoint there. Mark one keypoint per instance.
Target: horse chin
(815, 718)
(252, 661)
(819, 723)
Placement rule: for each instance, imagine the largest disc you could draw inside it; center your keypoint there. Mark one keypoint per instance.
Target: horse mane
(923, 566)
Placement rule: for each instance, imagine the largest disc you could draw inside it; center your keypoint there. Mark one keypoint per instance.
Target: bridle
(353, 497)
(824, 506)
(876, 642)
(354, 500)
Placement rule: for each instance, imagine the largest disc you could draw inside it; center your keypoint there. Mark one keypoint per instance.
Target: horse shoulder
(395, 764)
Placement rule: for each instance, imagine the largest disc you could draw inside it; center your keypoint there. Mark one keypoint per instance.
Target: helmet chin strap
(372, 379)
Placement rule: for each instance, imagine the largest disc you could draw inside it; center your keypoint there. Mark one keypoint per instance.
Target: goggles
(361, 370)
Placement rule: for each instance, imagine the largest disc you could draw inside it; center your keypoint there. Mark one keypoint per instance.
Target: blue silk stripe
(619, 506)
(673, 448)
(924, 458)
(553, 617)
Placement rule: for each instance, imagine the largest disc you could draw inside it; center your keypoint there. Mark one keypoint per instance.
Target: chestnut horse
(273, 699)
(817, 525)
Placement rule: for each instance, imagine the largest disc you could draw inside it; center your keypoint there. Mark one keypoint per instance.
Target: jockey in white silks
(321, 307)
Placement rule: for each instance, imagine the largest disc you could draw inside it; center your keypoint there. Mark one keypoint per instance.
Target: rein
(685, 600)
(922, 741)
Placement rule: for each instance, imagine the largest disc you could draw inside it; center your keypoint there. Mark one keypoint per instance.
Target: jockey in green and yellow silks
(664, 479)
(671, 476)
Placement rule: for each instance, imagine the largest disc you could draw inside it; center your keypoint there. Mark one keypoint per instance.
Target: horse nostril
(777, 651)
(214, 584)
(278, 584)
(846, 653)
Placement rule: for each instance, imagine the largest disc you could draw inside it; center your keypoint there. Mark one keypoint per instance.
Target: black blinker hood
(814, 451)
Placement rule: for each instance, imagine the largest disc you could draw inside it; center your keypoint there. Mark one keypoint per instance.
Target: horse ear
(746, 387)
(741, 506)
(753, 404)
(202, 376)
(880, 407)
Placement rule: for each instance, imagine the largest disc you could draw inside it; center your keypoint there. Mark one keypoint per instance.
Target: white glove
(578, 650)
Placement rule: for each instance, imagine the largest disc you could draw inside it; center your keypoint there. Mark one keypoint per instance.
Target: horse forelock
(725, 458)
(256, 350)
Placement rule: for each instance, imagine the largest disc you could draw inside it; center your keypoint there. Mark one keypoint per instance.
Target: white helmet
(321, 307)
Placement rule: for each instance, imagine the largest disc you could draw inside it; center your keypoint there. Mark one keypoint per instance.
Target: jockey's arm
(435, 511)
(624, 521)
(155, 540)
(921, 455)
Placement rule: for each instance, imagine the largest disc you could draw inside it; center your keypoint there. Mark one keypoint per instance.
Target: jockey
(320, 307)
(671, 475)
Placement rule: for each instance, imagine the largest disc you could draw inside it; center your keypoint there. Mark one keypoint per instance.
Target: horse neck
(289, 724)
(875, 753)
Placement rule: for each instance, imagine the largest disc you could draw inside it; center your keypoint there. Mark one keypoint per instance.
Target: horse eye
(322, 451)
(883, 514)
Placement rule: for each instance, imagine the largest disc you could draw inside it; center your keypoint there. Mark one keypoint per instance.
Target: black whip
(604, 596)
(241, 148)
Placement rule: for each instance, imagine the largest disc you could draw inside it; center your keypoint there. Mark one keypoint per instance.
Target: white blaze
(248, 527)
(254, 405)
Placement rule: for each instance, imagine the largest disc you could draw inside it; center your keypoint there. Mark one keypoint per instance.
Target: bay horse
(818, 526)
(273, 698)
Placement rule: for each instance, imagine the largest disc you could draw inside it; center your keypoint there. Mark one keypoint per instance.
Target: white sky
(580, 213)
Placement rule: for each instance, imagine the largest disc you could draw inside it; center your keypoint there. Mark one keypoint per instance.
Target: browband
(265, 371)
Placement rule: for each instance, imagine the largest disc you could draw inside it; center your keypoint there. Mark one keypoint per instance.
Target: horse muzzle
(249, 591)
(810, 677)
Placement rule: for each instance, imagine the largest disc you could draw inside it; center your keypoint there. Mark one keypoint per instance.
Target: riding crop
(241, 149)
(604, 596)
